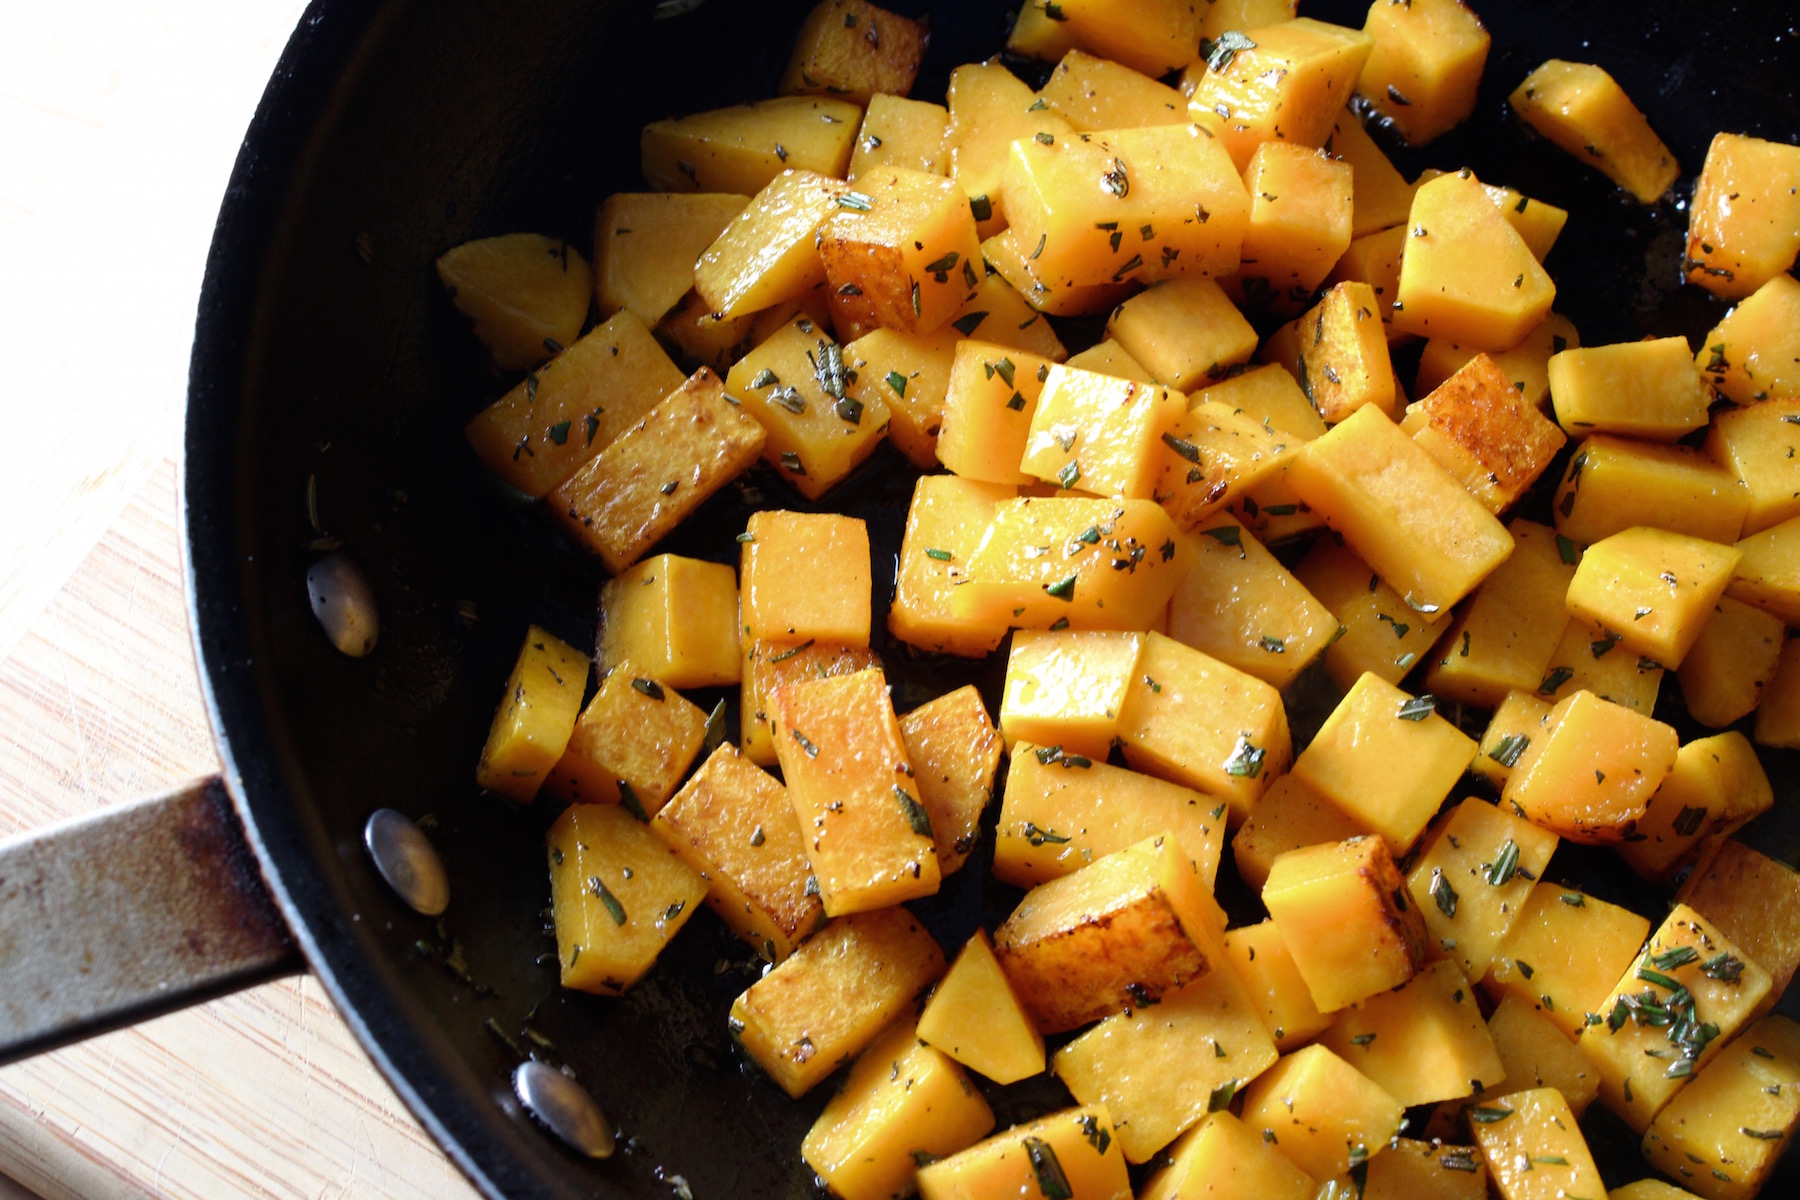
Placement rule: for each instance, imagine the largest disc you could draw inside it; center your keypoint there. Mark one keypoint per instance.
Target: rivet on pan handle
(130, 913)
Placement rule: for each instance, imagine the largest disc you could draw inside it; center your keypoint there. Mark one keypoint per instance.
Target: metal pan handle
(128, 914)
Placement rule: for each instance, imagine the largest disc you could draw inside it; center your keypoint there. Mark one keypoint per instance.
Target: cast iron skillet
(325, 351)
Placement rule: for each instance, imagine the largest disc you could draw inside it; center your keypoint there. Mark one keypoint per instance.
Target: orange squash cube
(1343, 361)
(897, 132)
(1289, 816)
(1467, 275)
(769, 666)
(525, 294)
(1074, 1147)
(1160, 36)
(988, 408)
(1096, 93)
(646, 243)
(1754, 353)
(1613, 484)
(1301, 201)
(632, 745)
(990, 108)
(975, 1017)
(1321, 1112)
(1534, 1148)
(1731, 664)
(1185, 332)
(1222, 1152)
(1067, 688)
(740, 150)
(944, 526)
(1263, 965)
(900, 252)
(770, 251)
(806, 576)
(532, 725)
(1744, 225)
(1753, 444)
(954, 752)
(1586, 114)
(1342, 910)
(1504, 638)
(1592, 773)
(1724, 1133)
(1716, 786)
(1382, 197)
(1652, 589)
(1212, 455)
(677, 617)
(1290, 82)
(1016, 265)
(1380, 631)
(1752, 899)
(1484, 432)
(853, 49)
(1099, 434)
(1564, 948)
(1647, 389)
(1426, 65)
(1242, 607)
(1423, 1042)
(1526, 364)
(1473, 880)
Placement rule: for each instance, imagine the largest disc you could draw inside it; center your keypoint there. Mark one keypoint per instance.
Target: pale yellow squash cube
(988, 407)
(1707, 991)
(1415, 1170)
(1321, 1112)
(563, 414)
(1589, 658)
(1535, 1053)
(975, 1017)
(1778, 716)
(1117, 934)
(646, 244)
(1473, 880)
(1120, 577)
(633, 744)
(1754, 353)
(1270, 396)
(1381, 632)
(1062, 811)
(1072, 1151)
(1095, 93)
(806, 575)
(1426, 66)
(617, 896)
(1754, 443)
(733, 824)
(1223, 1157)
(944, 526)
(1592, 773)
(740, 150)
(1152, 36)
(1156, 203)
(1266, 969)
(1484, 432)
(1422, 1042)
(990, 108)
(826, 1002)
(1613, 484)
(1526, 364)
(1648, 389)
(1382, 197)
(770, 252)
(1400, 511)
(853, 49)
(1744, 225)
(676, 617)
(1242, 607)
(769, 666)
(525, 294)
(1467, 275)
(897, 132)
(1343, 912)
(1519, 717)
(1533, 1147)
(903, 1101)
(1651, 588)
(1290, 82)
(1212, 455)
(868, 837)
(1503, 639)
(1110, 358)
(1586, 114)
(1752, 899)
(1343, 361)
(1386, 759)
(1538, 222)
(998, 313)
(1066, 689)
(909, 373)
(1768, 573)
(1301, 201)
(1185, 332)
(1289, 816)
(955, 752)
(1374, 259)
(1160, 1068)
(537, 714)
(1730, 665)
(1565, 952)
(1017, 265)
(900, 252)
(1098, 434)
(796, 386)
(1724, 1133)
(1191, 719)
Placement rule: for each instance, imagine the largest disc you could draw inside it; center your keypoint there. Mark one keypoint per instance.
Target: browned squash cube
(1116, 934)
(646, 244)
(733, 824)
(526, 294)
(806, 576)
(833, 996)
(900, 252)
(853, 49)
(769, 666)
(944, 526)
(1478, 426)
(868, 836)
(954, 751)
(1526, 364)
(575, 406)
(1752, 899)
(632, 745)
(1343, 912)
(639, 488)
(617, 896)
(741, 149)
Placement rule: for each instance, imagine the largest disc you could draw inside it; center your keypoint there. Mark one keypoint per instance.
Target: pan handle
(128, 914)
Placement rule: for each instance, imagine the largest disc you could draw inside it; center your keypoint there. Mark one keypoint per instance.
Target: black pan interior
(328, 361)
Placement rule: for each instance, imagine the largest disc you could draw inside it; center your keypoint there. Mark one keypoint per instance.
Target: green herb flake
(1051, 1182)
(1417, 708)
(1225, 535)
(967, 324)
(648, 687)
(1509, 748)
(1442, 892)
(939, 555)
(1220, 53)
(1505, 865)
(613, 908)
(856, 202)
(1061, 590)
(1246, 761)
(897, 381)
(913, 811)
(1484, 1114)
(1221, 1096)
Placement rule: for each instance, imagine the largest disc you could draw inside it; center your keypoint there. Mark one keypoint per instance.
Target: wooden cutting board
(264, 1093)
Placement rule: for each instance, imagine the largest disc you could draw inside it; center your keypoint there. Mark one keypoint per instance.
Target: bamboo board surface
(264, 1093)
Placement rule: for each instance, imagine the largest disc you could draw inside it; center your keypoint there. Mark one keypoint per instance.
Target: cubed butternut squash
(1652, 589)
(1290, 82)
(1381, 632)
(1778, 716)
(1535, 1053)
(1301, 204)
(1321, 1112)
(1613, 484)
(1502, 640)
(900, 252)
(1159, 37)
(975, 1017)
(1768, 573)
(990, 108)
(1752, 899)
(1466, 274)
(532, 725)
(1647, 389)
(1242, 607)
(1723, 1134)
(1096, 93)
(853, 49)
(1415, 1170)
(1565, 952)
(1069, 1153)
(1753, 444)
(944, 526)
(1017, 265)
(897, 132)
(1754, 352)
(676, 617)
(1519, 717)
(1289, 816)
(954, 752)
(741, 149)
(1067, 688)
(1213, 455)
(1099, 434)
(646, 244)
(1184, 332)
(1590, 777)
(989, 404)
(1744, 223)
(806, 575)
(1585, 113)
(1426, 65)
(1479, 427)
(1423, 1042)
(1382, 197)
(768, 666)
(770, 251)
(1223, 1157)
(1588, 658)
(1534, 1149)
(1343, 361)
(1343, 912)
(1526, 364)
(1473, 880)
(633, 744)
(1732, 662)
(525, 294)
(1263, 965)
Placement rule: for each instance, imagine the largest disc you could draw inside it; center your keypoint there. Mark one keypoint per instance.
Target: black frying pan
(325, 351)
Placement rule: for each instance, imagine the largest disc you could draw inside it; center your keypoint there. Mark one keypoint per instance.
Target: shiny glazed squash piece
(1152, 36)
(1382, 197)
(742, 149)
(646, 243)
(944, 526)
(1099, 434)
(988, 406)
(1732, 662)
(1071, 1153)
(1753, 444)
(1342, 910)
(1294, 78)
(1534, 1149)
(1716, 786)
(525, 293)
(1184, 332)
(1426, 65)
(1473, 880)
(1117, 934)
(1016, 265)
(1321, 1112)
(632, 745)
(634, 492)
(1096, 93)
(1565, 952)
(1613, 484)
(1587, 115)
(1535, 1053)
(1651, 589)
(990, 108)
(1343, 361)
(1036, 34)
(903, 1102)
(1590, 776)
(1423, 1042)
(1503, 638)
(1415, 1170)
(676, 617)
(1263, 965)
(1223, 1157)
(806, 576)
(1289, 816)
(1588, 658)
(1479, 427)
(975, 1017)
(1519, 717)
(1646, 389)
(531, 727)
(770, 252)
(955, 753)
(1381, 632)
(1212, 455)
(900, 252)
(910, 374)
(1754, 353)
(770, 666)
(1467, 275)
(1768, 573)
(1110, 358)
(834, 995)
(1066, 689)
(1744, 225)
(1374, 259)
(558, 417)
(1301, 204)
(1752, 899)
(1526, 365)
(868, 837)
(732, 823)
(618, 896)
(897, 132)
(1736, 1118)
(853, 49)
(1778, 716)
